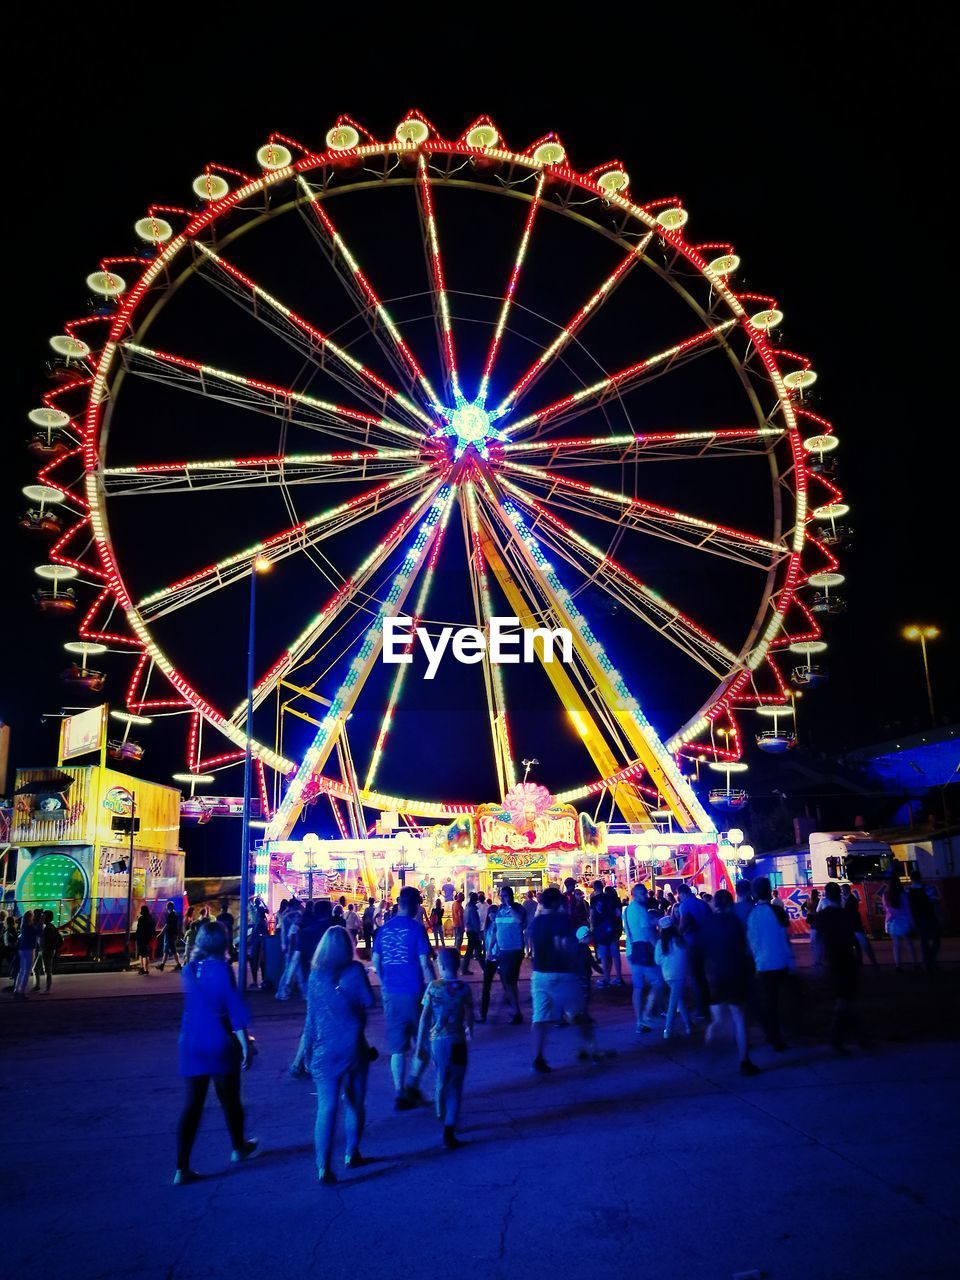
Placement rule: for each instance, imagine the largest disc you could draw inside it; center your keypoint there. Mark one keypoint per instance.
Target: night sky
(817, 148)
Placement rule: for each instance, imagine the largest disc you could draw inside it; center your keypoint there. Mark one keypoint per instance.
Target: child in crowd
(447, 1019)
(671, 955)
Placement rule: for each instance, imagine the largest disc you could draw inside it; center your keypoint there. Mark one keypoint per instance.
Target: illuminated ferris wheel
(523, 425)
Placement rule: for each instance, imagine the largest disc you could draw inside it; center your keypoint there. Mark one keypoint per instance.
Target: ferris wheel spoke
(589, 397)
(617, 581)
(281, 403)
(370, 306)
(321, 349)
(284, 543)
(510, 290)
(654, 446)
(345, 698)
(255, 473)
(351, 592)
(431, 244)
(483, 611)
(573, 326)
(649, 518)
(398, 681)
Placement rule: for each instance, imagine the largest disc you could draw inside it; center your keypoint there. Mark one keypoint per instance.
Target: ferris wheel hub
(470, 425)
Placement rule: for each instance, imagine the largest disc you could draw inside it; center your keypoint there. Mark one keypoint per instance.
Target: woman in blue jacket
(214, 1043)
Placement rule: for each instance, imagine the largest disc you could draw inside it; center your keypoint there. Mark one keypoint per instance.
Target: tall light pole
(923, 634)
(260, 565)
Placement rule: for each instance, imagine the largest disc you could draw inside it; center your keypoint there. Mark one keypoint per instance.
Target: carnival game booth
(77, 855)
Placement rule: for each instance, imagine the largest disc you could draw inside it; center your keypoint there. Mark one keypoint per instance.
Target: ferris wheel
(535, 413)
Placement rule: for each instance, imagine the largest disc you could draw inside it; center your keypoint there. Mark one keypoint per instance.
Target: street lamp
(923, 634)
(260, 565)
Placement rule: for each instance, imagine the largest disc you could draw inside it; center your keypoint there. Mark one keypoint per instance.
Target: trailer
(87, 841)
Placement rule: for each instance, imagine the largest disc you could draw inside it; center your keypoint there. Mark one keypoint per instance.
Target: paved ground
(662, 1162)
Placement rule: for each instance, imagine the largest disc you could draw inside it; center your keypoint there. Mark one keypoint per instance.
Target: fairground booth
(92, 844)
(528, 841)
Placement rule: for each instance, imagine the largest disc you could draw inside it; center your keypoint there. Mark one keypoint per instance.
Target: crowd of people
(694, 958)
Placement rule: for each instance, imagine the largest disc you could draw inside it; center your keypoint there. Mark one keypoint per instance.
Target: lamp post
(923, 634)
(260, 565)
(133, 828)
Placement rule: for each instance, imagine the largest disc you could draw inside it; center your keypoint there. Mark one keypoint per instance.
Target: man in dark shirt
(51, 940)
(924, 913)
(838, 946)
(171, 931)
(554, 984)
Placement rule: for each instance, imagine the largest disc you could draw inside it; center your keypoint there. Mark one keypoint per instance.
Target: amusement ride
(504, 431)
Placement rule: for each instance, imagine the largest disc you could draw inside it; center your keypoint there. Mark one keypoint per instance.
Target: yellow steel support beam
(627, 798)
(640, 742)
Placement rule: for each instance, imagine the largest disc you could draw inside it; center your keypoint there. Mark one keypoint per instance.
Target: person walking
(670, 955)
(225, 918)
(318, 918)
(401, 959)
(809, 909)
(693, 916)
(51, 940)
(640, 925)
(897, 920)
(924, 913)
(293, 975)
(471, 923)
(457, 920)
(489, 964)
(447, 1020)
(838, 943)
(851, 904)
(28, 945)
(744, 903)
(191, 929)
(351, 923)
(555, 986)
(530, 905)
(257, 944)
(368, 925)
(436, 922)
(335, 1046)
(170, 936)
(577, 908)
(606, 932)
(145, 931)
(509, 921)
(8, 944)
(772, 958)
(729, 971)
(11, 939)
(214, 1045)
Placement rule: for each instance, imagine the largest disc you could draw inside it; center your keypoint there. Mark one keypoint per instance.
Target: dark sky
(817, 145)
